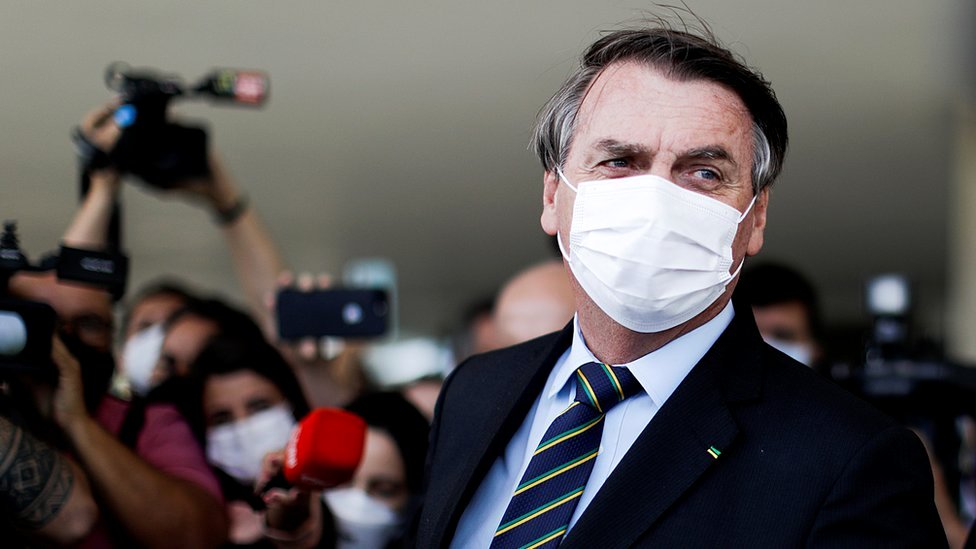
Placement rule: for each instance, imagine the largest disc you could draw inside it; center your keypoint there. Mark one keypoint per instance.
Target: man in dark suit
(659, 417)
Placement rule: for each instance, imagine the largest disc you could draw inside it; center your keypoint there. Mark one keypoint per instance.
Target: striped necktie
(538, 514)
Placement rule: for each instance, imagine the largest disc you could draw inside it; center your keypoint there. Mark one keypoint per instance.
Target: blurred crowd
(166, 420)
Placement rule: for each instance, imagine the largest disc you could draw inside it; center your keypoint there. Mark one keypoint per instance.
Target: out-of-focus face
(381, 473)
(534, 303)
(423, 395)
(788, 323)
(83, 311)
(784, 321)
(152, 310)
(237, 395)
(184, 340)
(483, 334)
(635, 120)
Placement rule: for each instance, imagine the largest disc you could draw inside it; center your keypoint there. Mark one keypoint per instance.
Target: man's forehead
(69, 300)
(628, 100)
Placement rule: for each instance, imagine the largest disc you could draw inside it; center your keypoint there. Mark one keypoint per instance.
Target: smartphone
(339, 312)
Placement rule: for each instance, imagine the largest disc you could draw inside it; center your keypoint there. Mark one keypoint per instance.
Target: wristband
(91, 157)
(232, 214)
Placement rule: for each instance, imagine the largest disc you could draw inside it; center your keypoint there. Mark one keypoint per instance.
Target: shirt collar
(659, 372)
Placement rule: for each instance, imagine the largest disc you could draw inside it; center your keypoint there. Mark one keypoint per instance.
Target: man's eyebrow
(714, 152)
(620, 149)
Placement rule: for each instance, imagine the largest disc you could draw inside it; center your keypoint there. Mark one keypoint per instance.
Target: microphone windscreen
(324, 449)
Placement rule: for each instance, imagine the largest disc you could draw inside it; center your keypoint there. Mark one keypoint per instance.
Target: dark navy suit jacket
(802, 463)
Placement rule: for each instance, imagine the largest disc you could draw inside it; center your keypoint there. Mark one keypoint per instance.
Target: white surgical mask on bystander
(362, 522)
(140, 355)
(237, 448)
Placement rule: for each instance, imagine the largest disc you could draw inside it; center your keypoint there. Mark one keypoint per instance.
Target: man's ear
(758, 222)
(550, 218)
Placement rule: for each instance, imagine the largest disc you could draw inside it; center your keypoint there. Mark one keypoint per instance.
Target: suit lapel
(505, 396)
(672, 452)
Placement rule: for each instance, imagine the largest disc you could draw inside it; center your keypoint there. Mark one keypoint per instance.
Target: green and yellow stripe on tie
(613, 380)
(539, 511)
(566, 435)
(545, 539)
(555, 472)
(553, 481)
(589, 391)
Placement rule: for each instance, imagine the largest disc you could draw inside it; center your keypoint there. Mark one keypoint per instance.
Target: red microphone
(324, 450)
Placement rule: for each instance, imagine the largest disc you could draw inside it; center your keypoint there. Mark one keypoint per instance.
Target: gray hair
(680, 55)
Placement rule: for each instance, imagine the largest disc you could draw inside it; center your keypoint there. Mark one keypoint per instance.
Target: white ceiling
(399, 129)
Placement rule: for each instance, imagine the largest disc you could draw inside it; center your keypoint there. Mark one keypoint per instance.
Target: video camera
(162, 153)
(26, 328)
(910, 380)
(897, 372)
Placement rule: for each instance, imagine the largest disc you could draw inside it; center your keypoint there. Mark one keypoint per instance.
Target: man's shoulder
(483, 381)
(815, 406)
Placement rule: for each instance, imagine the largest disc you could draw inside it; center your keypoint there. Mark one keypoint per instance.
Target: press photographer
(173, 158)
(159, 490)
(44, 496)
(124, 125)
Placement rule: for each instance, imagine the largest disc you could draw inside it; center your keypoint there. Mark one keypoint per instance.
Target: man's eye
(708, 174)
(617, 163)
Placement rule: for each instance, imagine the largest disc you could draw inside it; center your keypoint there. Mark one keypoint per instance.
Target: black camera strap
(90, 156)
(109, 269)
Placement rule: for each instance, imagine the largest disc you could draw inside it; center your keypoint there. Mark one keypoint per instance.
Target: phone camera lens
(352, 313)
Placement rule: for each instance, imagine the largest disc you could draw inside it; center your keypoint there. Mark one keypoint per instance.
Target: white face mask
(797, 351)
(140, 355)
(649, 253)
(237, 448)
(362, 522)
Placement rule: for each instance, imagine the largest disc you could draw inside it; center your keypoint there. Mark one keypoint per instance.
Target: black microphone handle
(277, 481)
(256, 499)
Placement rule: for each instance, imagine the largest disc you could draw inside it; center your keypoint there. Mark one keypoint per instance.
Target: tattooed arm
(42, 492)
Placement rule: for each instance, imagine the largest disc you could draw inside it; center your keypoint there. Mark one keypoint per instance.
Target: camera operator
(44, 496)
(260, 271)
(167, 495)
(257, 262)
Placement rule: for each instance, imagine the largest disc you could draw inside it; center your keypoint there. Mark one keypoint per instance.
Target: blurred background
(399, 130)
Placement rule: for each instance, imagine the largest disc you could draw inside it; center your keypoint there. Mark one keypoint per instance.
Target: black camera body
(26, 329)
(160, 152)
(157, 151)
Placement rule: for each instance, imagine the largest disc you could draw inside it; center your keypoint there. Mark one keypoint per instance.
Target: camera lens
(352, 313)
(13, 333)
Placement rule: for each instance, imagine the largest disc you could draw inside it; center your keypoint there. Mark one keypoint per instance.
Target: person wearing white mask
(246, 399)
(786, 310)
(373, 510)
(140, 355)
(143, 332)
(658, 417)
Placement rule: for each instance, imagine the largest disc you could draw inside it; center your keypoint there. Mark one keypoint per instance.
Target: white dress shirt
(659, 373)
